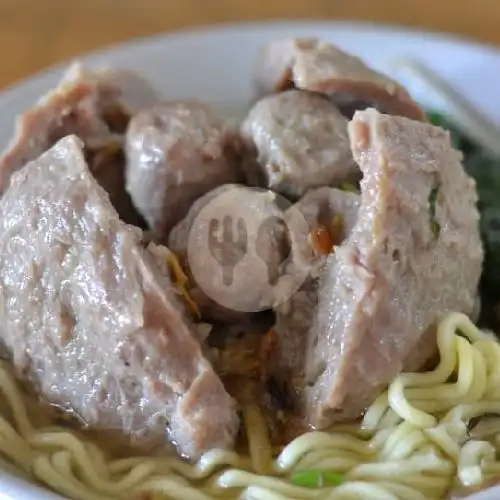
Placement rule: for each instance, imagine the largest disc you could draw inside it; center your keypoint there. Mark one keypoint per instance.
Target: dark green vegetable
(456, 137)
(485, 170)
(316, 478)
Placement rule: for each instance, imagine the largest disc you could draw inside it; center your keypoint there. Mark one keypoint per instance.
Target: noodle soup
(300, 307)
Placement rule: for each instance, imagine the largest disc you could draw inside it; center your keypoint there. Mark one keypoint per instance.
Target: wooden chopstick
(466, 117)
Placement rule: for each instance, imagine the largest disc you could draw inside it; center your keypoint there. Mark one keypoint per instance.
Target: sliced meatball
(296, 141)
(176, 152)
(93, 323)
(414, 255)
(94, 104)
(331, 215)
(310, 64)
(253, 254)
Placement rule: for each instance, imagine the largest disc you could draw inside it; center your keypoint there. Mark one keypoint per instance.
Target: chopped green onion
(435, 227)
(347, 186)
(432, 200)
(316, 478)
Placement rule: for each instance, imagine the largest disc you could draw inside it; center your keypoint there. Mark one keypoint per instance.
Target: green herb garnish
(435, 227)
(316, 478)
(347, 186)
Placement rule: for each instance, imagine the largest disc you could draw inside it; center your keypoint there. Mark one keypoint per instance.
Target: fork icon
(226, 250)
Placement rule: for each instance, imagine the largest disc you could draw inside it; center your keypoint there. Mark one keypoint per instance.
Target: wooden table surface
(37, 33)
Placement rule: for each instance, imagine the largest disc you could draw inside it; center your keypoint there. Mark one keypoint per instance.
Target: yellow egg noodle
(413, 442)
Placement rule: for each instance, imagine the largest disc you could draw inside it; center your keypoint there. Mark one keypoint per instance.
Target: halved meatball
(317, 66)
(330, 215)
(95, 104)
(92, 321)
(414, 255)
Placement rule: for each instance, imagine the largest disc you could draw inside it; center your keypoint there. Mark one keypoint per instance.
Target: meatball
(176, 152)
(296, 141)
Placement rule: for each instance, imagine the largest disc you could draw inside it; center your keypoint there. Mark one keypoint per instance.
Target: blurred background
(38, 33)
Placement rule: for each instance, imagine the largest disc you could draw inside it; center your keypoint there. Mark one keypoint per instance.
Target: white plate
(216, 65)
